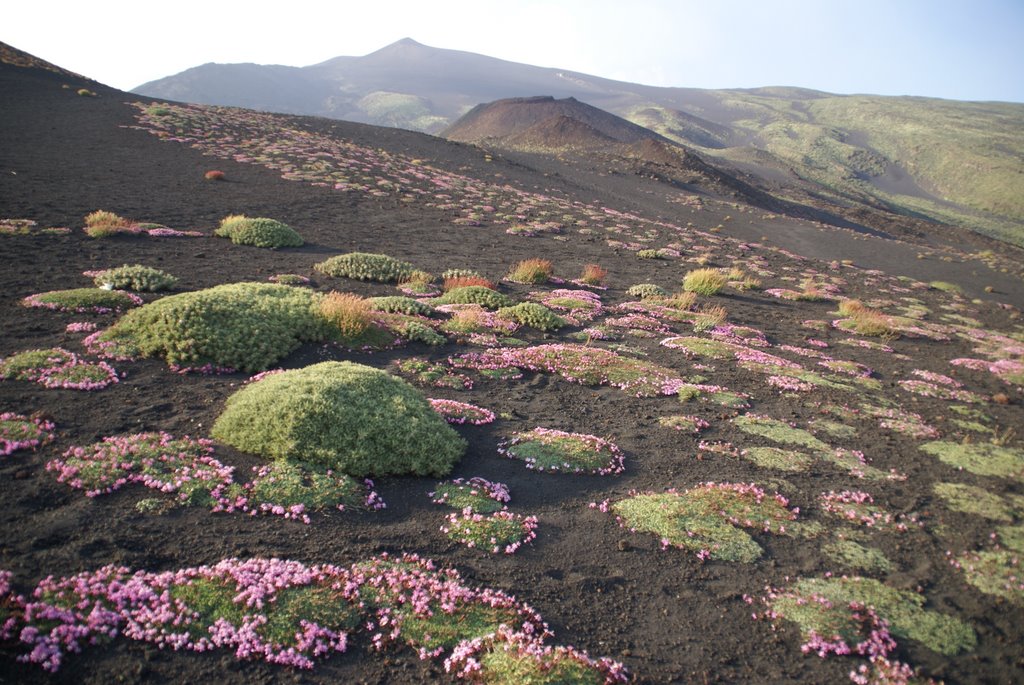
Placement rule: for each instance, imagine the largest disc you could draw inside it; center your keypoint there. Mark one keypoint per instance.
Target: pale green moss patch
(903, 609)
(969, 499)
(853, 556)
(981, 458)
(708, 519)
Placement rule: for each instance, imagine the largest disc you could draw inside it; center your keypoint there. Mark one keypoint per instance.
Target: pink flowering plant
(508, 656)
(499, 531)
(707, 519)
(545, 449)
(84, 300)
(18, 432)
(462, 412)
(859, 508)
(58, 368)
(184, 466)
(681, 422)
(293, 490)
(478, 494)
(862, 617)
(274, 610)
(433, 374)
(581, 364)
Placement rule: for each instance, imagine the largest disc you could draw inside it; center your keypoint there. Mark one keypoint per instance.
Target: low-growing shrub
(84, 300)
(647, 291)
(258, 232)
(420, 284)
(531, 271)
(705, 281)
(346, 312)
(102, 224)
(366, 266)
(401, 305)
(533, 315)
(355, 419)
(135, 277)
(454, 282)
(246, 326)
(475, 294)
(593, 274)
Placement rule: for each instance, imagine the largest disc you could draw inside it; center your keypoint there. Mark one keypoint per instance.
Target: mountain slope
(952, 162)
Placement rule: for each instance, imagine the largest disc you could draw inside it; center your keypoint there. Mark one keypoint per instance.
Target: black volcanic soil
(665, 614)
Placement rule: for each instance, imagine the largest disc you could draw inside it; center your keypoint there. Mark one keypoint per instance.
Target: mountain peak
(403, 46)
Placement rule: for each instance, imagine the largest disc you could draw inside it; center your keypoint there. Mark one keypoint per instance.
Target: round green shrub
(414, 331)
(533, 315)
(258, 232)
(647, 291)
(246, 326)
(353, 418)
(135, 277)
(397, 304)
(366, 266)
(476, 294)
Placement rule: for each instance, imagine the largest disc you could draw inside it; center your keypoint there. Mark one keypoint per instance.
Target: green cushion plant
(533, 315)
(345, 416)
(475, 294)
(258, 232)
(366, 266)
(246, 326)
(135, 277)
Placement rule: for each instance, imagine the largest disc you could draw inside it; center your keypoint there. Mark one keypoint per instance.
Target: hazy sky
(959, 49)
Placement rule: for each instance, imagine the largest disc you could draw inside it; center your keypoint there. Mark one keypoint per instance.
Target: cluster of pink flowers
(132, 300)
(156, 460)
(903, 422)
(475, 486)
(571, 452)
(1009, 370)
(575, 306)
(80, 327)
(165, 232)
(747, 356)
(462, 412)
(942, 392)
(933, 377)
(804, 351)
(500, 531)
(69, 371)
(66, 614)
(19, 432)
(848, 367)
(465, 661)
(208, 369)
(789, 384)
(719, 447)
(857, 507)
(691, 424)
(187, 468)
(739, 335)
(580, 364)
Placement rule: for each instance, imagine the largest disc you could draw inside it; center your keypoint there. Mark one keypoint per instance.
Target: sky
(954, 49)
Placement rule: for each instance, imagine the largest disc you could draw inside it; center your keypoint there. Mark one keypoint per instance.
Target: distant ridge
(545, 122)
(910, 157)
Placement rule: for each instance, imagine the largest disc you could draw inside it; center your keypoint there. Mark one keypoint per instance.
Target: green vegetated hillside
(949, 161)
(960, 162)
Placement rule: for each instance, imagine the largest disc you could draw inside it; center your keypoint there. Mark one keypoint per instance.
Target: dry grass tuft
(350, 313)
